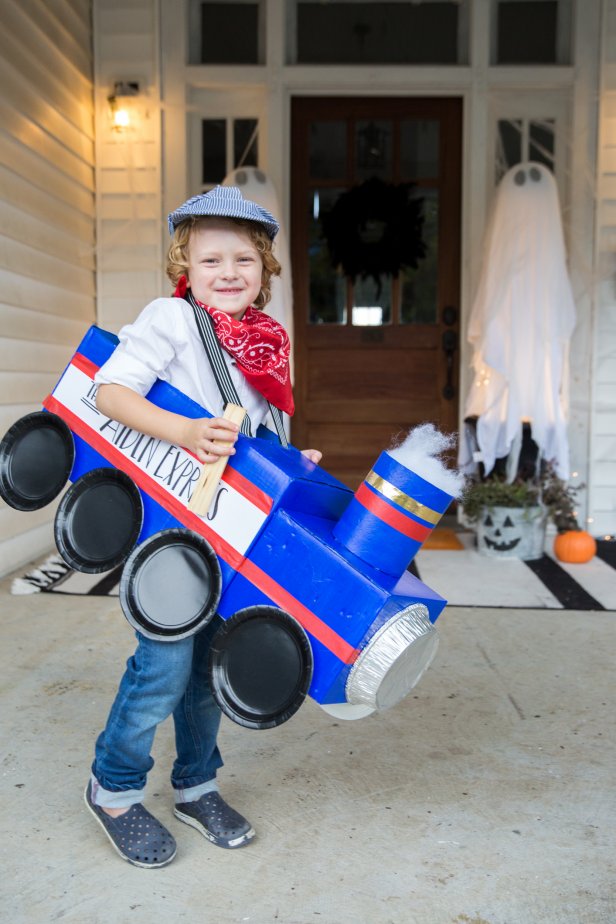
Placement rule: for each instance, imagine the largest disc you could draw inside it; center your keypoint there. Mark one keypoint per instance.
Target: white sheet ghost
(520, 325)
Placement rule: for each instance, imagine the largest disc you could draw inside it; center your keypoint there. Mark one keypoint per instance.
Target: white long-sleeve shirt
(164, 343)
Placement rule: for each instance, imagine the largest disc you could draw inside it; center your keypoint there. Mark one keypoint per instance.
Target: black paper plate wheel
(260, 667)
(99, 520)
(171, 585)
(36, 458)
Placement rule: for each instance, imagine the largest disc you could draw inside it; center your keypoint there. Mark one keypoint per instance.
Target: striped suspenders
(225, 384)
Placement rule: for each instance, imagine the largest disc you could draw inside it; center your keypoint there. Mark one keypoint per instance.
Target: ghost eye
(508, 522)
(488, 521)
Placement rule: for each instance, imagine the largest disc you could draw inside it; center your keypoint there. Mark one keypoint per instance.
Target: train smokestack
(400, 501)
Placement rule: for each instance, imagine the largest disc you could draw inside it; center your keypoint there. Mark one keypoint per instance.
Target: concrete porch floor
(486, 797)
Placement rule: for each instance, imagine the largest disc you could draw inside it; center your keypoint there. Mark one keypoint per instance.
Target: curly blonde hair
(177, 257)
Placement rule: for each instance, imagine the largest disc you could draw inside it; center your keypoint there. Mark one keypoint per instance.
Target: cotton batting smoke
(420, 452)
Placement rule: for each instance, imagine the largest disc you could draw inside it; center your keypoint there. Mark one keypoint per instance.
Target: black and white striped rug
(462, 576)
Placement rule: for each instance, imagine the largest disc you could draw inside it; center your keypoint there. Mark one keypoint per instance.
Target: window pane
(521, 140)
(328, 150)
(229, 33)
(527, 32)
(419, 146)
(245, 143)
(371, 302)
(541, 142)
(377, 33)
(419, 288)
(373, 146)
(509, 146)
(327, 285)
(214, 151)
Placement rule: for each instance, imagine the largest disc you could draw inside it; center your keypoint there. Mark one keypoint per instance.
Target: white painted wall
(128, 162)
(603, 409)
(47, 260)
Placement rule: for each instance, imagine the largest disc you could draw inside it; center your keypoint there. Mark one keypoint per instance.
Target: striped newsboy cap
(224, 202)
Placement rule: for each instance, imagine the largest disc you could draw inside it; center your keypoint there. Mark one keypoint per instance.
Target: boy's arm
(207, 437)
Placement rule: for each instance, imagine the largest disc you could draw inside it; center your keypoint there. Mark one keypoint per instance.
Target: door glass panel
(419, 141)
(373, 148)
(328, 150)
(419, 287)
(371, 302)
(327, 285)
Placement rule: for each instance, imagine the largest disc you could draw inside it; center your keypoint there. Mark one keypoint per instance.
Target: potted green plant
(509, 518)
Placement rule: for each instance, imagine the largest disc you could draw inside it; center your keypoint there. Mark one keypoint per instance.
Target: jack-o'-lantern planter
(510, 520)
(512, 532)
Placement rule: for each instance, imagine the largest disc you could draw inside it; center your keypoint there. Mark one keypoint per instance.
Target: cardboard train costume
(309, 579)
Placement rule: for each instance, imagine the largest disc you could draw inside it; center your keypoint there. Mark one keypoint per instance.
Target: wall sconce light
(119, 107)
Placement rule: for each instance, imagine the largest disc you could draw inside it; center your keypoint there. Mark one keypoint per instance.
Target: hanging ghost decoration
(521, 322)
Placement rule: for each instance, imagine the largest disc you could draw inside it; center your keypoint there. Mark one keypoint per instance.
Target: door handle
(450, 344)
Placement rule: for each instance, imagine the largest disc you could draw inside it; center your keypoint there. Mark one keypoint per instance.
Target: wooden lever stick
(211, 473)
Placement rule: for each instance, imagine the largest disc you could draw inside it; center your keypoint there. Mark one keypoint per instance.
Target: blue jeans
(161, 678)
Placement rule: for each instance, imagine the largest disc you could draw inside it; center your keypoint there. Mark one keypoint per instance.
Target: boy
(221, 263)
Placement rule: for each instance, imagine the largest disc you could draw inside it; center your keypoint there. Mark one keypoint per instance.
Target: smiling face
(224, 267)
(512, 532)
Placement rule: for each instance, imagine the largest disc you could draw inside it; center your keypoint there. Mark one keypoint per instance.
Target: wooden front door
(375, 353)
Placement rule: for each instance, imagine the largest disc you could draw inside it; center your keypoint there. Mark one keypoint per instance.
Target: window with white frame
(377, 32)
(223, 133)
(225, 145)
(519, 140)
(531, 126)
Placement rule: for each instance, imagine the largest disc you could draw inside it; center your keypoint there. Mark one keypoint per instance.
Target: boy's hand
(313, 454)
(210, 437)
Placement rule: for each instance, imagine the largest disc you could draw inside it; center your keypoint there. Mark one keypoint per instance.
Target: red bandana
(259, 345)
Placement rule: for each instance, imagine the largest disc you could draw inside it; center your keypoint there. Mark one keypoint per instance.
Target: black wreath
(375, 230)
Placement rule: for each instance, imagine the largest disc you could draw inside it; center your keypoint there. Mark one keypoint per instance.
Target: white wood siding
(130, 232)
(603, 443)
(47, 259)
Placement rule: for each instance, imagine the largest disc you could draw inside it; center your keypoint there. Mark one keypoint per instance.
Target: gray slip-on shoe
(216, 820)
(136, 835)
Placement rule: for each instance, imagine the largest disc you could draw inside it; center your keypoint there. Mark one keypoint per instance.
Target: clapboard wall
(47, 227)
(603, 443)
(130, 229)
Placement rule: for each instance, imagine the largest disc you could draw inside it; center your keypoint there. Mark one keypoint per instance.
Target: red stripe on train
(84, 364)
(309, 620)
(145, 482)
(394, 518)
(232, 477)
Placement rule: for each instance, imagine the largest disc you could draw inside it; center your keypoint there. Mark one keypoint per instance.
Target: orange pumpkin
(574, 546)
